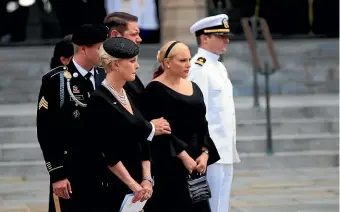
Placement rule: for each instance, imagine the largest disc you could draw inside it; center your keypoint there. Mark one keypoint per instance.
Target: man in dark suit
(123, 24)
(63, 95)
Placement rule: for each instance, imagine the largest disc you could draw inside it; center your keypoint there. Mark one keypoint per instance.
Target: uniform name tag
(79, 97)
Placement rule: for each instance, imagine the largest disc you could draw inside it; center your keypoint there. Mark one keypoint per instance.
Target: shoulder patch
(200, 61)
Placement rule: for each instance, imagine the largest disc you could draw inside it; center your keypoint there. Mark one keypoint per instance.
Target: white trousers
(220, 177)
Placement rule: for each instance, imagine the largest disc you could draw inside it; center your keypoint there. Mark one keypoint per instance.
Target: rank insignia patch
(43, 103)
(200, 61)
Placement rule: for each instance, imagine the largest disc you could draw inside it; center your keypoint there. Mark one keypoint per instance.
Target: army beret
(63, 48)
(89, 34)
(121, 48)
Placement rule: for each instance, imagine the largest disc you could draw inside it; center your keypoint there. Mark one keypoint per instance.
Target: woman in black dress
(189, 148)
(117, 151)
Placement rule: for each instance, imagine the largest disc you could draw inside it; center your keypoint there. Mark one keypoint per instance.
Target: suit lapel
(99, 76)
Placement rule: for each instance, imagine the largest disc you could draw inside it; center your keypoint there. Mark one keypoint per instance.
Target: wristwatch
(206, 151)
(150, 180)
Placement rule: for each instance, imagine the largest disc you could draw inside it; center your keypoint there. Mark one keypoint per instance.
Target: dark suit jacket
(135, 89)
(112, 135)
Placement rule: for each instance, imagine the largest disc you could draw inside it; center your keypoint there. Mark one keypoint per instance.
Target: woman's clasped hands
(199, 165)
(141, 191)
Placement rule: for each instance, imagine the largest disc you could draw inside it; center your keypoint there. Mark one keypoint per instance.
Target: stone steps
(307, 67)
(23, 134)
(282, 107)
(288, 126)
(245, 144)
(20, 152)
(300, 159)
(288, 143)
(296, 159)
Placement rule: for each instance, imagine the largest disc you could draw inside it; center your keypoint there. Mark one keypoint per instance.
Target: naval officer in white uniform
(212, 35)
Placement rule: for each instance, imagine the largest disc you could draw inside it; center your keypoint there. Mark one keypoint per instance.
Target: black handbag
(198, 188)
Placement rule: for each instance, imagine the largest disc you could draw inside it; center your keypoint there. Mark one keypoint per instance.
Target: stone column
(177, 16)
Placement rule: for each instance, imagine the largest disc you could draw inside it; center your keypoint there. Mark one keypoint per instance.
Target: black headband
(169, 49)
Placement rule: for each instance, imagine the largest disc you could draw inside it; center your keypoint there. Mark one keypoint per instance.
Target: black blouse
(186, 115)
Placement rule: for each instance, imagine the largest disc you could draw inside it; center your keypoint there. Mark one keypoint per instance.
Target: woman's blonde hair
(105, 59)
(161, 55)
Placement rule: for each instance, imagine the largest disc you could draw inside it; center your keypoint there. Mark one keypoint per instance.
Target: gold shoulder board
(200, 61)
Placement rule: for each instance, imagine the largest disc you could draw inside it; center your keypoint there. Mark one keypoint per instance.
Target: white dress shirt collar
(81, 70)
(206, 53)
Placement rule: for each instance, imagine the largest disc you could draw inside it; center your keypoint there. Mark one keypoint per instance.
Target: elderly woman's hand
(139, 192)
(148, 188)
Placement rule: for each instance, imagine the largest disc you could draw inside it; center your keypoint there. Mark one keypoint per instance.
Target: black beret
(63, 48)
(89, 34)
(121, 48)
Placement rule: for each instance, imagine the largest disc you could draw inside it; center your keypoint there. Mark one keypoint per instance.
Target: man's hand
(162, 126)
(62, 188)
(148, 187)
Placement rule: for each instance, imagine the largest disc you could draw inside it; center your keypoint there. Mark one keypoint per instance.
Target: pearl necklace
(121, 98)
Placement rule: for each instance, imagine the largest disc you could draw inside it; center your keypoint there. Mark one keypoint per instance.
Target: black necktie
(87, 77)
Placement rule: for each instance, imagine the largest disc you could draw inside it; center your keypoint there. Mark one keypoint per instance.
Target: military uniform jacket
(59, 116)
(212, 78)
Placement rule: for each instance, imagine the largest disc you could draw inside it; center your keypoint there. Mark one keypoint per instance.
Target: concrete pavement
(283, 190)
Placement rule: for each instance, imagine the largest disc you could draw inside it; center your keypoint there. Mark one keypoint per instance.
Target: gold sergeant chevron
(43, 103)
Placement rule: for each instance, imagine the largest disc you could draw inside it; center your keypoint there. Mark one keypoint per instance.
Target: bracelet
(150, 180)
(206, 151)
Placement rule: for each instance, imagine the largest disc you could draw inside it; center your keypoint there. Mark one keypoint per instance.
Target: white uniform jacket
(212, 78)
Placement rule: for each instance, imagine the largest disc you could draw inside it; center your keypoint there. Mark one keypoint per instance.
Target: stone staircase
(305, 134)
(307, 67)
(305, 141)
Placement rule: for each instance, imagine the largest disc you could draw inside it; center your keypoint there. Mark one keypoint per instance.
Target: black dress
(186, 115)
(112, 134)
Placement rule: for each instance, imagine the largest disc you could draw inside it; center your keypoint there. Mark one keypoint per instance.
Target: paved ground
(303, 190)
